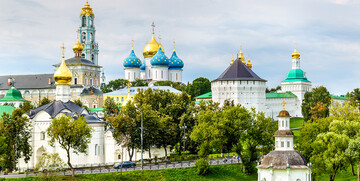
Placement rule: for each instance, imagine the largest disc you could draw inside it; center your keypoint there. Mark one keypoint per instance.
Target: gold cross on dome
(159, 38)
(153, 27)
(295, 44)
(283, 103)
(174, 45)
(77, 34)
(132, 44)
(63, 50)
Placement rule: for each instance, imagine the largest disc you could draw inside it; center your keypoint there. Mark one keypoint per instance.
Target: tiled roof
(286, 94)
(204, 96)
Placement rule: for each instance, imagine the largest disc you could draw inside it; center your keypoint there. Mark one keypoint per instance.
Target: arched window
(96, 80)
(83, 21)
(83, 55)
(83, 37)
(92, 57)
(96, 149)
(162, 75)
(91, 80)
(176, 76)
(42, 135)
(85, 79)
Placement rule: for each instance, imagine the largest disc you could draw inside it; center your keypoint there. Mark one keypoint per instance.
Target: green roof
(286, 94)
(204, 96)
(13, 95)
(296, 75)
(6, 109)
(338, 97)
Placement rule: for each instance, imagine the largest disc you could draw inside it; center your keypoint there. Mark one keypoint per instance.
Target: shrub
(202, 166)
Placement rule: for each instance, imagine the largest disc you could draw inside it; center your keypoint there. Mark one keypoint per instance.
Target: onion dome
(160, 59)
(132, 61)
(87, 10)
(175, 62)
(249, 64)
(232, 60)
(63, 75)
(78, 48)
(241, 57)
(295, 54)
(152, 47)
(142, 68)
(13, 95)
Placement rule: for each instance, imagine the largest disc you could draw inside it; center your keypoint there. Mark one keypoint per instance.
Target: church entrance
(39, 153)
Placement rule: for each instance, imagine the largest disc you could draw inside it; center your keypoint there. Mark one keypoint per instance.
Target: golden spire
(87, 10)
(152, 47)
(232, 60)
(132, 44)
(249, 64)
(295, 54)
(283, 104)
(241, 56)
(63, 75)
(78, 48)
(174, 45)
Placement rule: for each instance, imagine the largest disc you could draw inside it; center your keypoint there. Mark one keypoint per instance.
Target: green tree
(176, 85)
(3, 147)
(44, 101)
(16, 130)
(199, 86)
(70, 133)
(353, 151)
(273, 89)
(79, 103)
(328, 155)
(319, 94)
(110, 107)
(354, 97)
(117, 84)
(26, 106)
(139, 83)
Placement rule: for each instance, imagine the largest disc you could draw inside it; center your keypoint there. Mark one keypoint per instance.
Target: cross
(63, 50)
(77, 34)
(241, 48)
(132, 44)
(160, 39)
(174, 45)
(153, 27)
(295, 44)
(283, 103)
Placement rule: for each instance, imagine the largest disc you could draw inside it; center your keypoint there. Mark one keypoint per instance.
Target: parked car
(125, 164)
(51, 168)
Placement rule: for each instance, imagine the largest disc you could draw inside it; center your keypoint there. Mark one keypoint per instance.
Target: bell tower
(87, 34)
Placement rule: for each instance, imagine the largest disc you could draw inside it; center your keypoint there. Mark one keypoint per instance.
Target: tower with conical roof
(87, 33)
(63, 77)
(296, 81)
(284, 163)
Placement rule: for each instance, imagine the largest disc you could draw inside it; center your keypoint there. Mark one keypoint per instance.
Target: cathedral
(84, 67)
(156, 66)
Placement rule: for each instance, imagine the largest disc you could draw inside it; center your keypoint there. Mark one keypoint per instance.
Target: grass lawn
(342, 175)
(219, 172)
(296, 122)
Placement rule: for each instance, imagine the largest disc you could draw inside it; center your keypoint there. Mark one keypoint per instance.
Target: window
(122, 99)
(117, 99)
(83, 37)
(92, 57)
(282, 144)
(162, 74)
(155, 74)
(83, 21)
(42, 135)
(119, 156)
(91, 81)
(288, 144)
(176, 77)
(128, 75)
(286, 123)
(96, 149)
(75, 80)
(282, 123)
(83, 55)
(277, 144)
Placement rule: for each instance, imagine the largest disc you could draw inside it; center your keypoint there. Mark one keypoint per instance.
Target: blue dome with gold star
(132, 61)
(159, 59)
(175, 62)
(142, 68)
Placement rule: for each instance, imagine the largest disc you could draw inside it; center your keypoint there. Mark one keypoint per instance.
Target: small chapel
(284, 163)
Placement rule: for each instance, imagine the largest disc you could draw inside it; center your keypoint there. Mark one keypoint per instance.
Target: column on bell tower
(87, 34)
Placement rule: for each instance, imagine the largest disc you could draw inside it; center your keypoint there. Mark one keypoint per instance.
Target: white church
(156, 66)
(102, 149)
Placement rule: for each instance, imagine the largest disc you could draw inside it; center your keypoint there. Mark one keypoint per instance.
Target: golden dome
(295, 54)
(87, 10)
(241, 57)
(152, 47)
(78, 48)
(63, 75)
(249, 64)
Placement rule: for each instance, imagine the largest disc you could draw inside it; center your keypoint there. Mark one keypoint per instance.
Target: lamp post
(141, 137)
(184, 127)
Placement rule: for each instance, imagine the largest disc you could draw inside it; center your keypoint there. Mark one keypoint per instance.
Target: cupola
(152, 47)
(160, 59)
(63, 75)
(132, 61)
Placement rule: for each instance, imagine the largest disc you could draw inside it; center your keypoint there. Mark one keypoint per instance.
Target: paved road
(170, 165)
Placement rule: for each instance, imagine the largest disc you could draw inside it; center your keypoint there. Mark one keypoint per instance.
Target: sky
(207, 34)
